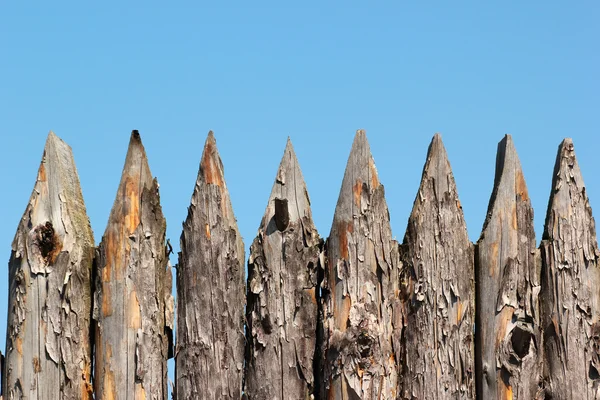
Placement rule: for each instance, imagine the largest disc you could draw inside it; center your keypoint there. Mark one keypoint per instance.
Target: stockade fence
(355, 316)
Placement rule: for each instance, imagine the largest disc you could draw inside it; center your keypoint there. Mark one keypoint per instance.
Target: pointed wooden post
(282, 298)
(570, 299)
(211, 290)
(48, 351)
(360, 287)
(508, 336)
(132, 289)
(439, 331)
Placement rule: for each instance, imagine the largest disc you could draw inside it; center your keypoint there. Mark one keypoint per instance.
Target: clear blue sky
(256, 72)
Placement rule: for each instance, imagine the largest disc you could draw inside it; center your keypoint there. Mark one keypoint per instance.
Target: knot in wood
(282, 215)
(46, 240)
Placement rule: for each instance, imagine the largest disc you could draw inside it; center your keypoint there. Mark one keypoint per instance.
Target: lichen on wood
(360, 288)
(438, 361)
(132, 293)
(508, 338)
(48, 347)
(570, 299)
(211, 290)
(282, 292)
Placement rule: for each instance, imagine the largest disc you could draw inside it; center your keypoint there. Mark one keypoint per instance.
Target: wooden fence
(356, 316)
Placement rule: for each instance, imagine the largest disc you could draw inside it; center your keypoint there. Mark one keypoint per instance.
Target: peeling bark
(361, 321)
(569, 298)
(133, 293)
(508, 338)
(48, 350)
(211, 290)
(438, 362)
(282, 299)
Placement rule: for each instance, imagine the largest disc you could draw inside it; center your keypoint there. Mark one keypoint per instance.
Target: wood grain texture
(508, 338)
(282, 299)
(438, 362)
(211, 290)
(570, 299)
(360, 288)
(2, 373)
(133, 289)
(48, 349)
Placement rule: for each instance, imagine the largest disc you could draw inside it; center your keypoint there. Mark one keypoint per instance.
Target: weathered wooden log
(132, 298)
(508, 335)
(48, 348)
(438, 363)
(210, 281)
(282, 299)
(1, 375)
(570, 300)
(360, 288)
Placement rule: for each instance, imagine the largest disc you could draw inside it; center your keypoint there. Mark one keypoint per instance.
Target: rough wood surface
(282, 299)
(211, 288)
(48, 351)
(570, 299)
(133, 295)
(438, 363)
(508, 338)
(360, 288)
(1, 375)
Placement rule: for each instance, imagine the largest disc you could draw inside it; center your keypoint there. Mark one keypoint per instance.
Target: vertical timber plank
(132, 289)
(48, 348)
(282, 299)
(570, 298)
(508, 339)
(1, 375)
(211, 290)
(360, 288)
(438, 363)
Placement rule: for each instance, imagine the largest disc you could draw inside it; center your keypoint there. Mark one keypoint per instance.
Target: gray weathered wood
(1, 375)
(282, 299)
(360, 288)
(48, 350)
(133, 295)
(211, 290)
(438, 363)
(508, 335)
(570, 297)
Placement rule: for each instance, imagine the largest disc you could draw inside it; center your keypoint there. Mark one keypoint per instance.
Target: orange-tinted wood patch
(209, 165)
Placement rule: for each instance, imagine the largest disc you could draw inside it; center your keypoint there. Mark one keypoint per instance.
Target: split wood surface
(282, 292)
(210, 281)
(48, 346)
(358, 316)
(132, 301)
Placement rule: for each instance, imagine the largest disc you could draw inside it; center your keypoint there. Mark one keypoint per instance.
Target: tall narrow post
(211, 290)
(438, 363)
(133, 290)
(1, 375)
(282, 299)
(570, 299)
(48, 351)
(360, 288)
(508, 339)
